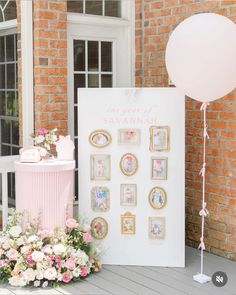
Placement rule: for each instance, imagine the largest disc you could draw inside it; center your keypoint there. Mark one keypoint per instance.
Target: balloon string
(203, 212)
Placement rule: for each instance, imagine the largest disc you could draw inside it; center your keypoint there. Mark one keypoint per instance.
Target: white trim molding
(10, 24)
(27, 71)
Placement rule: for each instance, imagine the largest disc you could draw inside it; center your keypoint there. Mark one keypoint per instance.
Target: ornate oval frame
(122, 166)
(163, 194)
(104, 133)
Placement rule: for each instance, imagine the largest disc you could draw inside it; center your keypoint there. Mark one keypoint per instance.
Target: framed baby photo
(100, 138)
(129, 136)
(100, 167)
(157, 197)
(156, 228)
(159, 138)
(100, 199)
(99, 228)
(129, 164)
(128, 226)
(128, 194)
(159, 168)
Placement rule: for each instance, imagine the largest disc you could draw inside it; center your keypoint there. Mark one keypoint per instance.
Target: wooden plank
(188, 281)
(5, 291)
(135, 287)
(212, 263)
(147, 282)
(82, 288)
(108, 286)
(168, 280)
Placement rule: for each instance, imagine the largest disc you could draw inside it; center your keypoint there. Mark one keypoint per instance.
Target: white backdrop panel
(115, 108)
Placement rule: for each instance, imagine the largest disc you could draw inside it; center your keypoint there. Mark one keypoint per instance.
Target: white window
(100, 51)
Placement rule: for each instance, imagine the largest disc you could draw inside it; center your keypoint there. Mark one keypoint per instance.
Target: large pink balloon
(201, 56)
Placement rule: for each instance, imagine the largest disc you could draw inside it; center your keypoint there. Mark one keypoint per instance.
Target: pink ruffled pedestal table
(46, 188)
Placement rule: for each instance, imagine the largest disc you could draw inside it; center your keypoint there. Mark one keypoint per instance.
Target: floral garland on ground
(30, 256)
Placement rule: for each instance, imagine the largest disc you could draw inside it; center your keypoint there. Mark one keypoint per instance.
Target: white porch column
(27, 70)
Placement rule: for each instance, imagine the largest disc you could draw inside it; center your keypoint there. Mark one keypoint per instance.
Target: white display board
(112, 109)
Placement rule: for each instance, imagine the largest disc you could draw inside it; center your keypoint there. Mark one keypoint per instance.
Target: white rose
(76, 272)
(86, 227)
(29, 274)
(20, 241)
(1, 252)
(15, 231)
(50, 274)
(39, 274)
(36, 283)
(6, 245)
(45, 284)
(32, 238)
(37, 256)
(59, 249)
(82, 257)
(17, 281)
(47, 249)
(25, 249)
(39, 139)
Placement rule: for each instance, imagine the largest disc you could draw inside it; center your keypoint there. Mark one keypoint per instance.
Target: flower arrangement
(30, 256)
(44, 138)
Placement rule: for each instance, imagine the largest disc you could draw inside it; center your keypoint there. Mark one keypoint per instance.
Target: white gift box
(65, 148)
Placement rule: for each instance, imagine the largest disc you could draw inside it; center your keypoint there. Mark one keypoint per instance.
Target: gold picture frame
(100, 138)
(100, 167)
(129, 164)
(99, 228)
(128, 224)
(128, 194)
(159, 167)
(159, 138)
(157, 197)
(100, 198)
(156, 228)
(129, 136)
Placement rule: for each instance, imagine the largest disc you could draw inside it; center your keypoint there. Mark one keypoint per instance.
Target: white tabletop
(50, 165)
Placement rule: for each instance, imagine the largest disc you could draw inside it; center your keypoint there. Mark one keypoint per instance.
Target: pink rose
(66, 277)
(45, 233)
(12, 255)
(87, 238)
(71, 223)
(42, 131)
(84, 270)
(70, 264)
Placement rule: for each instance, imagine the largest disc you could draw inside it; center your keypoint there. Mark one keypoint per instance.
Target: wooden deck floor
(129, 280)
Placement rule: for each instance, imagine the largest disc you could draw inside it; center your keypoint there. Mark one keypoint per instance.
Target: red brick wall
(50, 64)
(159, 19)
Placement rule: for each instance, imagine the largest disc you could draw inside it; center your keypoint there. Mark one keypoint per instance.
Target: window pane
(106, 56)
(10, 48)
(10, 11)
(79, 55)
(10, 76)
(75, 6)
(16, 105)
(106, 80)
(93, 7)
(76, 154)
(6, 150)
(6, 131)
(15, 132)
(93, 56)
(2, 103)
(79, 82)
(2, 76)
(2, 49)
(10, 95)
(93, 80)
(113, 8)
